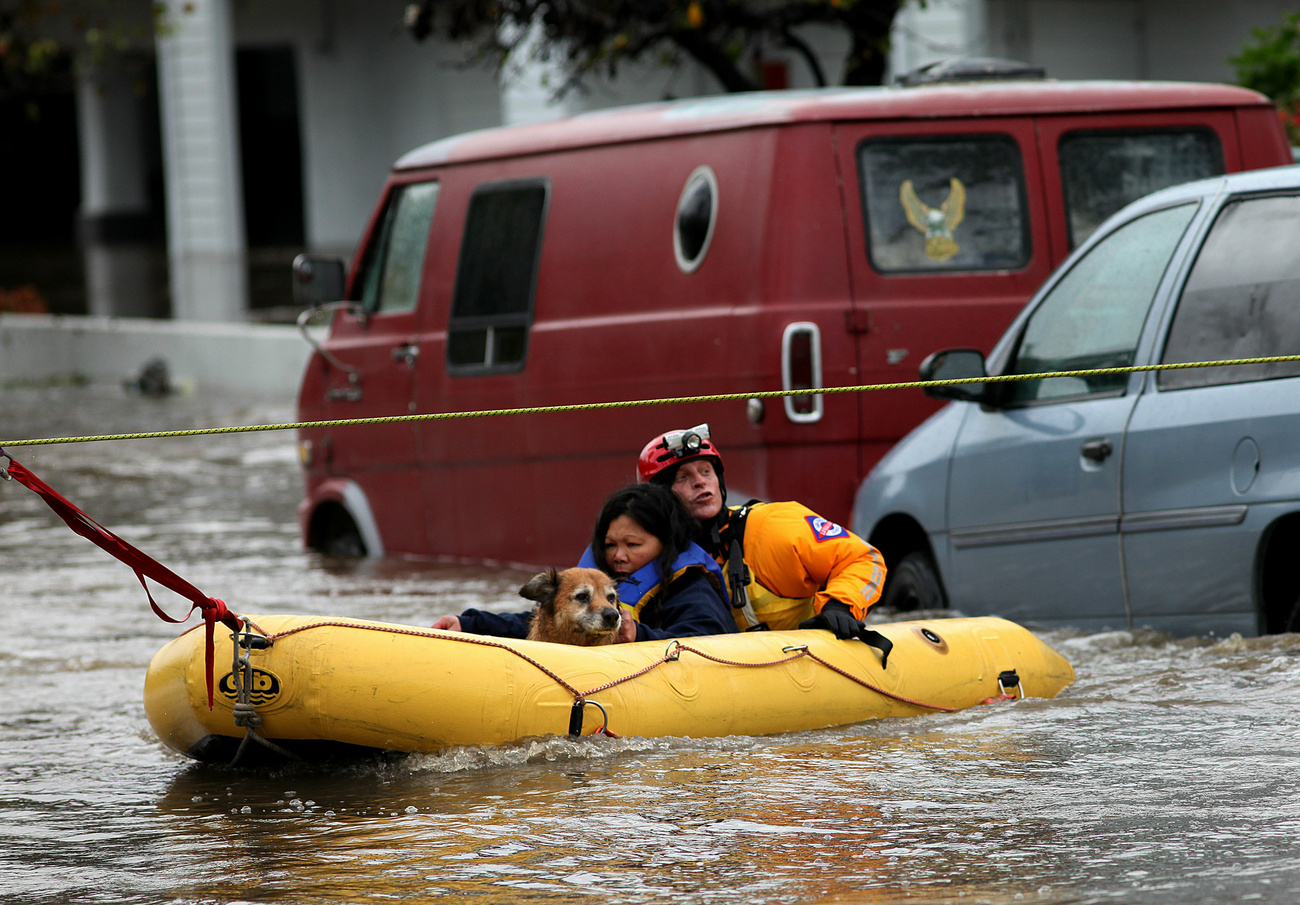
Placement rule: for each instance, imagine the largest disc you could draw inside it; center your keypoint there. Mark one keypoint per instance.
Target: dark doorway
(271, 157)
(40, 265)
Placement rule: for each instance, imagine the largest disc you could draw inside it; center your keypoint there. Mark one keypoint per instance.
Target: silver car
(1166, 499)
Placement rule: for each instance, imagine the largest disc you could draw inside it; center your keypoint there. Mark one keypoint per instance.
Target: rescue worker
(786, 565)
(668, 587)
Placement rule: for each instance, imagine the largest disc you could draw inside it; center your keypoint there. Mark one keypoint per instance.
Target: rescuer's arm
(796, 553)
(854, 576)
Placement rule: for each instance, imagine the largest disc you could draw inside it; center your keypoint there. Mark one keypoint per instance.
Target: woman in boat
(668, 586)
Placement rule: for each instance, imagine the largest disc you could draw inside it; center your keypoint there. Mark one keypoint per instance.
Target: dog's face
(576, 606)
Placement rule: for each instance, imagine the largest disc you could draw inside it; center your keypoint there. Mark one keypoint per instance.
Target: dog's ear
(542, 587)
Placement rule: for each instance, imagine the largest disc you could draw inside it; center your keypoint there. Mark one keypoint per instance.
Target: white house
(264, 128)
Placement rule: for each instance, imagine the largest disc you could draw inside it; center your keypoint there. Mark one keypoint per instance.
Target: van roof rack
(974, 69)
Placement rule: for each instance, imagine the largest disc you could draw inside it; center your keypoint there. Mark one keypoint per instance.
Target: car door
(1209, 449)
(1034, 483)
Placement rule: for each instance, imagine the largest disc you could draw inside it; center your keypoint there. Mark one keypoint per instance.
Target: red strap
(141, 563)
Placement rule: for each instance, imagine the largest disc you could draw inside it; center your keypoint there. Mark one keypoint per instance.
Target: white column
(205, 218)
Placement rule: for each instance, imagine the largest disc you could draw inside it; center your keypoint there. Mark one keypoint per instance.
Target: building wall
(1182, 40)
(367, 94)
(1196, 44)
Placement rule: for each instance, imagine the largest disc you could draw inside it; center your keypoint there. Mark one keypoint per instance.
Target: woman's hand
(448, 624)
(626, 628)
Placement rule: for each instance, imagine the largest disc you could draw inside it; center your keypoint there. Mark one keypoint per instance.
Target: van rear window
(496, 279)
(944, 204)
(1103, 171)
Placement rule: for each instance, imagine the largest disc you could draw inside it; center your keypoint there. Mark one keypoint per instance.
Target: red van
(726, 245)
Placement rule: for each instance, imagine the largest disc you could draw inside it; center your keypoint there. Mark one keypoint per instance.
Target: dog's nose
(609, 617)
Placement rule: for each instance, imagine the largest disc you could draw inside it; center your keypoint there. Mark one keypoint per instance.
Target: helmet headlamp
(686, 442)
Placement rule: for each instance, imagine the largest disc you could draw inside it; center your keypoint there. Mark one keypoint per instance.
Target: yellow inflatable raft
(311, 686)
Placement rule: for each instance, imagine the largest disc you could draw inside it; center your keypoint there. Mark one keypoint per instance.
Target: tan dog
(576, 606)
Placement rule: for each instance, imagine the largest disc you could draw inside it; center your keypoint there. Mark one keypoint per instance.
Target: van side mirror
(317, 279)
(953, 364)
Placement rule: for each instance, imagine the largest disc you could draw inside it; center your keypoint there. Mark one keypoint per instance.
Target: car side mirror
(954, 364)
(317, 279)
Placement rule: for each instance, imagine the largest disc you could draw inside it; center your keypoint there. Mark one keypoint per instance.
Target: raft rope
(637, 403)
(215, 610)
(141, 563)
(244, 638)
(241, 673)
(580, 698)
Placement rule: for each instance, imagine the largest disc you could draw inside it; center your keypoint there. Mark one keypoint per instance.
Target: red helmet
(675, 447)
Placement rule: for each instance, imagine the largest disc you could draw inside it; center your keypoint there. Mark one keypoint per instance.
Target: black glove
(838, 618)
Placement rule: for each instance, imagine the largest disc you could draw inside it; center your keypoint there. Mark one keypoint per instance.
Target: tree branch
(711, 57)
(800, 46)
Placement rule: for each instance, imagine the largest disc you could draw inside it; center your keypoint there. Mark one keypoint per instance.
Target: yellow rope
(635, 403)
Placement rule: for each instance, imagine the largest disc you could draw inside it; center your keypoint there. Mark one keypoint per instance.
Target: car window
(390, 281)
(944, 204)
(1242, 298)
(496, 278)
(1103, 171)
(1093, 316)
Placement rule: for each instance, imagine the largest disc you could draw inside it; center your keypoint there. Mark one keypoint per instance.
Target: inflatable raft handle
(575, 717)
(1008, 679)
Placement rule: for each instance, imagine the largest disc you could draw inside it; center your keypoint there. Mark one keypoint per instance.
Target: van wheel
(334, 533)
(914, 585)
(347, 543)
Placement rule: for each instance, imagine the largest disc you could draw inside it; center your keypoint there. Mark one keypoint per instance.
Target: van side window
(1103, 171)
(1242, 298)
(496, 278)
(697, 211)
(390, 278)
(1093, 316)
(944, 204)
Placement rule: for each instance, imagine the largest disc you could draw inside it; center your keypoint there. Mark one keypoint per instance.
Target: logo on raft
(824, 530)
(266, 688)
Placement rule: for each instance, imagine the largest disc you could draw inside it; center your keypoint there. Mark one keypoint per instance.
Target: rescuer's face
(696, 485)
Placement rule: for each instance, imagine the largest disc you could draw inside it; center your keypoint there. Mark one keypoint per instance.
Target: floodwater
(1168, 773)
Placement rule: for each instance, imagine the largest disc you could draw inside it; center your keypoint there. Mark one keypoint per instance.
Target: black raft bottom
(221, 750)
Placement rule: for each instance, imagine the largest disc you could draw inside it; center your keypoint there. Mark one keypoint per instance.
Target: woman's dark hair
(657, 510)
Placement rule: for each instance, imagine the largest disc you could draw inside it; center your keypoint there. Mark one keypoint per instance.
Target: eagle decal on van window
(936, 225)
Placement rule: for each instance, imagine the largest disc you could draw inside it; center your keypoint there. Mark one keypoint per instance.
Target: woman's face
(628, 546)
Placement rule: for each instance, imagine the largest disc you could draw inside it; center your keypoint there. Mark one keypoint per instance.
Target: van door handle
(1097, 450)
(407, 353)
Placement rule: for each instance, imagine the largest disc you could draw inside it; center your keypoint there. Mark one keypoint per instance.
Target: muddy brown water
(1166, 774)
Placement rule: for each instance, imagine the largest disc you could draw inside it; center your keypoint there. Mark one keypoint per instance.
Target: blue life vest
(644, 585)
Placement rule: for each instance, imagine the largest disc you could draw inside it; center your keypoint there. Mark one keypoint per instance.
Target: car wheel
(914, 585)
